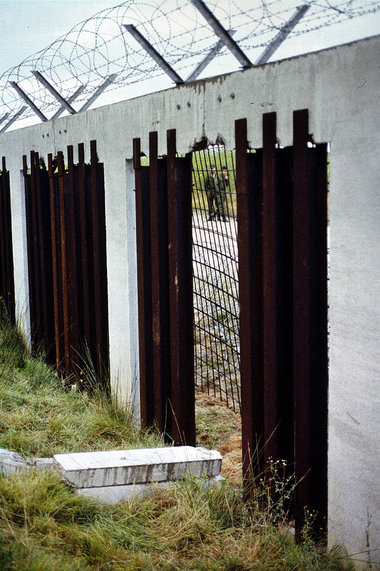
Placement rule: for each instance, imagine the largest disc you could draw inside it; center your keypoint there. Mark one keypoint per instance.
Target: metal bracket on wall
(209, 57)
(53, 91)
(282, 34)
(70, 100)
(222, 33)
(110, 79)
(28, 101)
(13, 119)
(153, 53)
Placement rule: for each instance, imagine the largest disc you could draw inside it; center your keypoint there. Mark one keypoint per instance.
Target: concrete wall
(340, 87)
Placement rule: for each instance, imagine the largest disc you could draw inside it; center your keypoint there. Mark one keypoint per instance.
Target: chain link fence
(215, 275)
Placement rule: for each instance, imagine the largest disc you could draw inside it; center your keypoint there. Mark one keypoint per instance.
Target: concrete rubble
(117, 475)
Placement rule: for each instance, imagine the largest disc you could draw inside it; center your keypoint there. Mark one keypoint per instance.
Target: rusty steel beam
(7, 251)
(160, 284)
(319, 325)
(96, 222)
(270, 285)
(310, 326)
(144, 281)
(249, 198)
(182, 395)
(104, 354)
(37, 326)
(301, 308)
(84, 225)
(73, 284)
(43, 267)
(3, 238)
(179, 180)
(284, 307)
(55, 276)
(29, 242)
(64, 263)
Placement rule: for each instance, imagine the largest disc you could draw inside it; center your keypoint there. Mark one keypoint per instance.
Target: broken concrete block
(115, 494)
(11, 462)
(140, 466)
(41, 463)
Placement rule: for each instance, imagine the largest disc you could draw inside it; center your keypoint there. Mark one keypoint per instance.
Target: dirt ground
(219, 428)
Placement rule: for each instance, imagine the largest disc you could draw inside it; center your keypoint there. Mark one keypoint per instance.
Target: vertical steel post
(29, 241)
(301, 308)
(269, 260)
(310, 327)
(160, 285)
(64, 269)
(3, 265)
(37, 328)
(2, 239)
(144, 280)
(98, 301)
(319, 319)
(104, 352)
(10, 290)
(72, 258)
(54, 246)
(84, 225)
(284, 306)
(249, 217)
(181, 294)
(44, 267)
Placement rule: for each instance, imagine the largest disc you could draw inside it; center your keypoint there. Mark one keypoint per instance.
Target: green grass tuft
(44, 525)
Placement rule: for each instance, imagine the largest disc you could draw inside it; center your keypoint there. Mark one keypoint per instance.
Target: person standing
(211, 184)
(223, 183)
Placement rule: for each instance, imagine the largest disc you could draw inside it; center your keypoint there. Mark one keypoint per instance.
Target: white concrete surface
(340, 87)
(11, 462)
(140, 466)
(115, 494)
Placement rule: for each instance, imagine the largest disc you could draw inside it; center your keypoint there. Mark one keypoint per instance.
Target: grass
(40, 417)
(45, 526)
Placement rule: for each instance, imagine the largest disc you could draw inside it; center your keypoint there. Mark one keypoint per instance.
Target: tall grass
(45, 526)
(40, 417)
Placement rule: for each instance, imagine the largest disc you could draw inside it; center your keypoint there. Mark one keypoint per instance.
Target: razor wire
(100, 47)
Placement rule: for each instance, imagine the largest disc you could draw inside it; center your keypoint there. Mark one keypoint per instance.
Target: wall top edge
(328, 82)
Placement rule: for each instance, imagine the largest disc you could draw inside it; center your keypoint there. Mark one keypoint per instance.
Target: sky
(27, 26)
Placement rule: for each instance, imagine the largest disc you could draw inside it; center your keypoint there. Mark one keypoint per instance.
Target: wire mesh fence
(215, 275)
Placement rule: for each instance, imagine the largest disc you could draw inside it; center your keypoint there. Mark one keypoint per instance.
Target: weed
(44, 525)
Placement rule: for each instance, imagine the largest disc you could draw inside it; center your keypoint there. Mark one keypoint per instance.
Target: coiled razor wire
(100, 46)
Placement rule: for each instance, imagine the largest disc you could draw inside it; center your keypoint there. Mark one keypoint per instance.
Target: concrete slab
(140, 466)
(116, 494)
(11, 462)
(41, 463)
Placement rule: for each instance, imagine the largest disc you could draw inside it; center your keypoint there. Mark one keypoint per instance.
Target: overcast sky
(26, 26)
